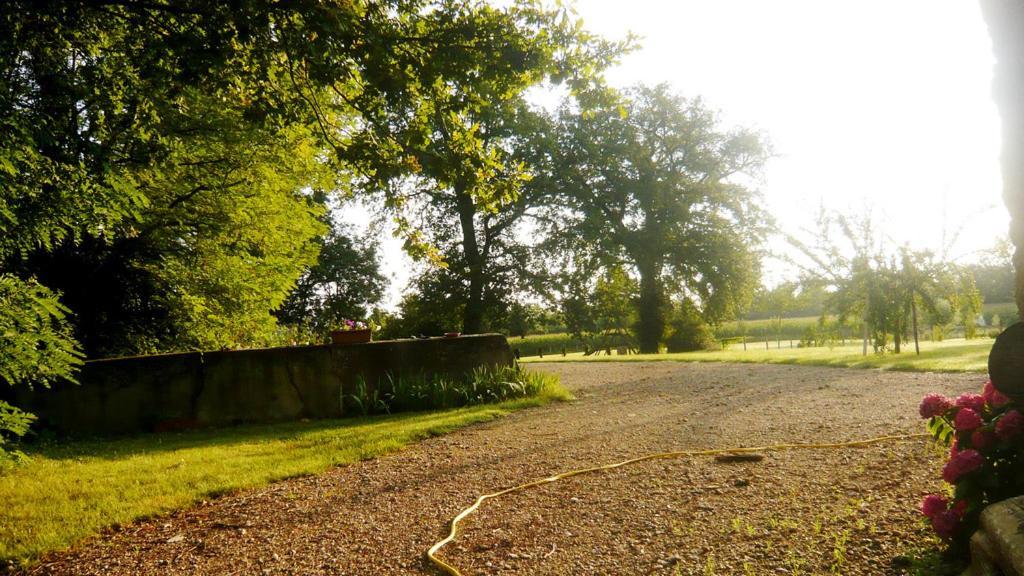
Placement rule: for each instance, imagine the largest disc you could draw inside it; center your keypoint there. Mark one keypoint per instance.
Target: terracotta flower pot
(350, 336)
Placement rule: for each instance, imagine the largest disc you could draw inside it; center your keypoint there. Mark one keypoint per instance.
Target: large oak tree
(653, 180)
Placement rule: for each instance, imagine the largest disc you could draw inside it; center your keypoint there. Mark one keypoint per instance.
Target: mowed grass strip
(948, 356)
(71, 490)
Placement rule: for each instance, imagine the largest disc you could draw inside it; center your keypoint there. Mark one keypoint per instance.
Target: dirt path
(805, 512)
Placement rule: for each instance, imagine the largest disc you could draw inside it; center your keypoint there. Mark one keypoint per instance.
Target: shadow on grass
(69, 490)
(115, 447)
(301, 432)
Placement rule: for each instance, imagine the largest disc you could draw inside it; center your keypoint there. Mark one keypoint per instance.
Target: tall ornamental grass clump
(483, 385)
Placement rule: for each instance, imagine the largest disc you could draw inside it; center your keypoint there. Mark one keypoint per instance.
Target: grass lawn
(70, 490)
(948, 356)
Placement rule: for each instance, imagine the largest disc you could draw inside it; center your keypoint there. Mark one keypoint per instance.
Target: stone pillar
(997, 548)
(1005, 19)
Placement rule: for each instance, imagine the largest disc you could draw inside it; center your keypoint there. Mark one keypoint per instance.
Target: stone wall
(200, 389)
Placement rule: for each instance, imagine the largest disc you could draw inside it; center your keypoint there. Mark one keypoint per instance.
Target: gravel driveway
(807, 512)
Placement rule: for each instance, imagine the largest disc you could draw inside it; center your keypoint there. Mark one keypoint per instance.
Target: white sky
(881, 104)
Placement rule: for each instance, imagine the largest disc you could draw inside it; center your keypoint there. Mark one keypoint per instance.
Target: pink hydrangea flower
(975, 402)
(960, 508)
(964, 462)
(933, 504)
(1010, 425)
(966, 419)
(982, 439)
(934, 405)
(994, 397)
(945, 524)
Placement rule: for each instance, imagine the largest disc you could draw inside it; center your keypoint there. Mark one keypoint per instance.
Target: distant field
(549, 343)
(1007, 312)
(755, 331)
(956, 355)
(764, 329)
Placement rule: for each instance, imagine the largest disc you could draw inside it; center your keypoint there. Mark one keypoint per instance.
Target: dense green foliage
(14, 423)
(345, 283)
(608, 310)
(688, 331)
(36, 348)
(35, 342)
(463, 182)
(166, 165)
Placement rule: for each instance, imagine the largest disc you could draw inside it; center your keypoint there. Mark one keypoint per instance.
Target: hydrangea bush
(985, 435)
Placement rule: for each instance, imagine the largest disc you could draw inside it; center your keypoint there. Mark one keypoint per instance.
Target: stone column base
(997, 548)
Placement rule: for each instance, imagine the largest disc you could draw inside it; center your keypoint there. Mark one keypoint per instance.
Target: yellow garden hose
(453, 571)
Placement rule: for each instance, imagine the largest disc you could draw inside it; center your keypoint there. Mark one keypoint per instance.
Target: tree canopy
(652, 180)
(167, 164)
(170, 169)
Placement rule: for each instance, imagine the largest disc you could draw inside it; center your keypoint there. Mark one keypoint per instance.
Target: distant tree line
(889, 294)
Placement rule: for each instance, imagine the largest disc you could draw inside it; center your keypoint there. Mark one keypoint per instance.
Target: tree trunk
(864, 320)
(913, 315)
(472, 317)
(864, 335)
(1005, 20)
(897, 336)
(652, 315)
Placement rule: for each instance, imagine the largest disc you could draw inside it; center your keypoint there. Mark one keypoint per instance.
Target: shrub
(36, 347)
(985, 433)
(14, 424)
(689, 331)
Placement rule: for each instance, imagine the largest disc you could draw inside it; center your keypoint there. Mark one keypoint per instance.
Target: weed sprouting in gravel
(839, 552)
(709, 566)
